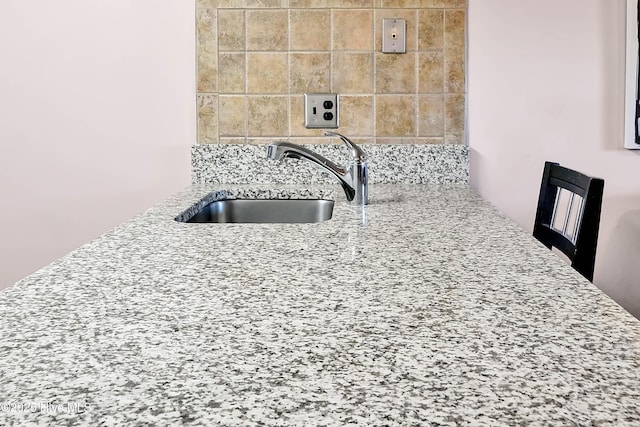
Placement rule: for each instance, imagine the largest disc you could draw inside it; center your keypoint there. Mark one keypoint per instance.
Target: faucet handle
(356, 152)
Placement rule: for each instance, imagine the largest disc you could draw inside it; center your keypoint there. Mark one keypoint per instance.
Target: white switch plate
(321, 110)
(394, 35)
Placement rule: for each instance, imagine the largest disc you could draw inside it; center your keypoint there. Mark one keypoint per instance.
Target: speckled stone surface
(388, 164)
(426, 307)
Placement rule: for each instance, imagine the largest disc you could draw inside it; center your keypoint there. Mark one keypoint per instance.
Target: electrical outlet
(321, 110)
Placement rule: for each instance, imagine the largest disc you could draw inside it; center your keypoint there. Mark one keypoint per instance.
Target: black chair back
(571, 227)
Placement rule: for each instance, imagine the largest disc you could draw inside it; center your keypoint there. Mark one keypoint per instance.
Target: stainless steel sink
(265, 211)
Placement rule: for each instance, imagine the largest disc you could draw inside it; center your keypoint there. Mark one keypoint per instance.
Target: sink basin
(265, 211)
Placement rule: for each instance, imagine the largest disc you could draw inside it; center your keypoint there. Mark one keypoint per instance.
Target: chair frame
(582, 253)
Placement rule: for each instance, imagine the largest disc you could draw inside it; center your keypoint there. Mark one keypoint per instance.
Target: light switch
(394, 35)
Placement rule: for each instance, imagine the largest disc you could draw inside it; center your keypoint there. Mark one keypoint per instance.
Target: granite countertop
(427, 307)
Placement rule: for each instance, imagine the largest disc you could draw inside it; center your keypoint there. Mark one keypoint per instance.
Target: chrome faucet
(353, 177)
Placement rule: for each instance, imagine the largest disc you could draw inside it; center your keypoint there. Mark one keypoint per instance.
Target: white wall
(546, 82)
(97, 114)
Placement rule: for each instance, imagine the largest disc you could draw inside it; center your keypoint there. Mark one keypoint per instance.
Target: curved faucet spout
(353, 178)
(356, 152)
(279, 150)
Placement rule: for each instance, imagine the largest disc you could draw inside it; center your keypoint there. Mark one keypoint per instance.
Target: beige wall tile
(431, 29)
(234, 4)
(424, 3)
(408, 15)
(310, 72)
(232, 116)
(450, 3)
(310, 29)
(331, 3)
(316, 138)
(338, 141)
(395, 115)
(405, 3)
(356, 115)
(267, 116)
(350, 3)
(238, 140)
(352, 29)
(409, 140)
(254, 4)
(267, 72)
(395, 73)
(231, 77)
(265, 3)
(206, 4)
(399, 140)
(454, 31)
(231, 34)
(308, 3)
(430, 72)
(352, 72)
(454, 50)
(430, 140)
(454, 105)
(267, 30)
(454, 74)
(207, 118)
(431, 115)
(207, 51)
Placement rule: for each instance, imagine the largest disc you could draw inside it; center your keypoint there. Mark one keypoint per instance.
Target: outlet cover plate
(321, 110)
(394, 35)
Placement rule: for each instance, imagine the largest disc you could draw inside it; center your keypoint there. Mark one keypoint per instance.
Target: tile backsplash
(256, 59)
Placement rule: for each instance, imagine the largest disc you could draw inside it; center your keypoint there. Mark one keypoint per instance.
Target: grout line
(217, 103)
(331, 51)
(288, 74)
(245, 100)
(288, 71)
(444, 75)
(416, 20)
(374, 123)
